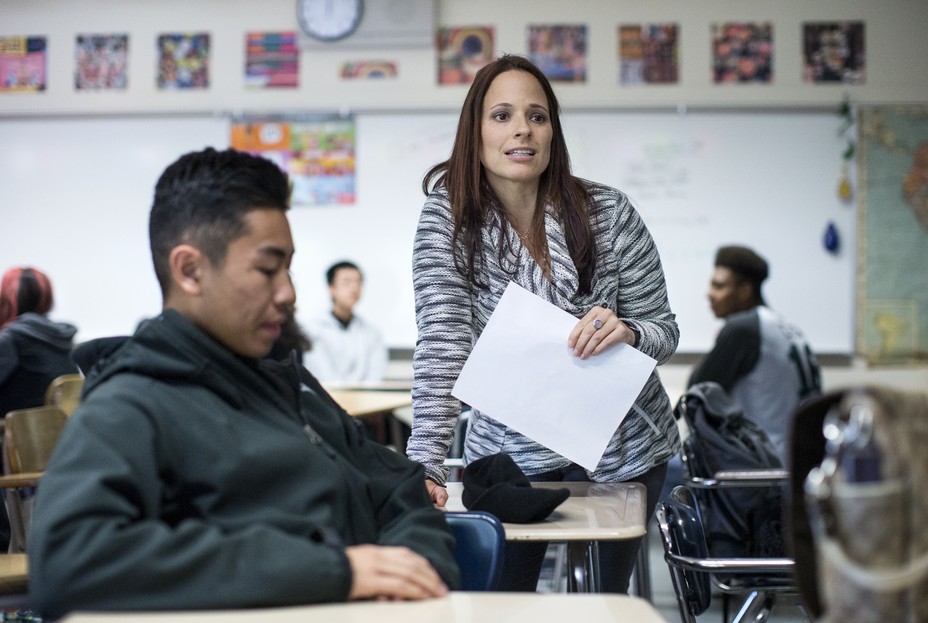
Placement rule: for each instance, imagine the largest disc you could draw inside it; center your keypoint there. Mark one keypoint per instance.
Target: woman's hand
(437, 492)
(599, 329)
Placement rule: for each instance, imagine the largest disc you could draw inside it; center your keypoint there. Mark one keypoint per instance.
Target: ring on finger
(597, 324)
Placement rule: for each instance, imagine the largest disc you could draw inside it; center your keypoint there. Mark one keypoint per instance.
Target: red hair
(22, 290)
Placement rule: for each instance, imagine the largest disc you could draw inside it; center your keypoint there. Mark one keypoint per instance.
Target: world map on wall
(892, 292)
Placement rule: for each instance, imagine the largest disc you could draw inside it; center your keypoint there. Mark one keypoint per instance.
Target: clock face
(329, 20)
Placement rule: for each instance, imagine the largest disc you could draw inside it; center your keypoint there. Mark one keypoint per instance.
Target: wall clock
(329, 20)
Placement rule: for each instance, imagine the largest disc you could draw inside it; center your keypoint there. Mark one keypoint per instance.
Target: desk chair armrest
(15, 481)
(741, 478)
(732, 565)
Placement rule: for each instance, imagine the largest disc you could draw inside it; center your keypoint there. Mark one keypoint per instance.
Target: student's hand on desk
(437, 492)
(392, 573)
(586, 340)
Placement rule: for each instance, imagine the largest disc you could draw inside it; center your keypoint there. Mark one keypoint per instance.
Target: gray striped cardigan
(450, 315)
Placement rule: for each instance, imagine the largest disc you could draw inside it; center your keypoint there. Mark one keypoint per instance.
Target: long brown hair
(472, 198)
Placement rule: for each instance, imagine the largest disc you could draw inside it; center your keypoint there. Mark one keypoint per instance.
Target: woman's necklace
(545, 259)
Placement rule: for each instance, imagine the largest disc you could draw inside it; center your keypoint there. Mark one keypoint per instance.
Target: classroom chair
(478, 549)
(695, 575)
(29, 437)
(735, 475)
(64, 392)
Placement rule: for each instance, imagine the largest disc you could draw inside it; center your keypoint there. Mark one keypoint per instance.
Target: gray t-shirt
(766, 365)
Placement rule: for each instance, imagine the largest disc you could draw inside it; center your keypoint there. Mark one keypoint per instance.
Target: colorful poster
(833, 52)
(101, 62)
(183, 61)
(892, 282)
(22, 63)
(559, 51)
(318, 155)
(648, 54)
(368, 69)
(742, 52)
(462, 52)
(272, 59)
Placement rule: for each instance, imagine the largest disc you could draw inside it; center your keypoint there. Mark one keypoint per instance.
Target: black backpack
(740, 522)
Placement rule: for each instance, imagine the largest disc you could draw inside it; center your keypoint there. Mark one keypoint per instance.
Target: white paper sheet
(521, 373)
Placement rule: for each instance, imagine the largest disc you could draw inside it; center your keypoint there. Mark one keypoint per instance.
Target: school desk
(457, 607)
(593, 512)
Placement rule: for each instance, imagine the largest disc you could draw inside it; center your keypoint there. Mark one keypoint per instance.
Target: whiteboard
(76, 195)
(768, 181)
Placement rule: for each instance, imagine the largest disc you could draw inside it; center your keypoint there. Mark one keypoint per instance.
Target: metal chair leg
(643, 569)
(583, 566)
(756, 608)
(560, 564)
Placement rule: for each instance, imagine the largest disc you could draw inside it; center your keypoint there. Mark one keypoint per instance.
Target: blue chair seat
(479, 542)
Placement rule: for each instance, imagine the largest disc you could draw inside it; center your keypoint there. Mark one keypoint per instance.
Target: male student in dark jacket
(196, 474)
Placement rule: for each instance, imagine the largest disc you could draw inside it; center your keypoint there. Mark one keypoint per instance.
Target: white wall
(896, 48)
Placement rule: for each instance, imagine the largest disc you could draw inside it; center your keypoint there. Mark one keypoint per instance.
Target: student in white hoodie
(345, 347)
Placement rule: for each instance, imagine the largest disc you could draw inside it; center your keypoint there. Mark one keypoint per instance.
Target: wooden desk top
(593, 512)
(14, 573)
(361, 403)
(458, 607)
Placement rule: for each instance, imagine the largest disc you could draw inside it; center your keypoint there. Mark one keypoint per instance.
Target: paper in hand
(522, 374)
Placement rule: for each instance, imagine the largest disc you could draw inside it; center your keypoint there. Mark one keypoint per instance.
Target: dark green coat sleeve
(111, 532)
(99, 539)
(405, 514)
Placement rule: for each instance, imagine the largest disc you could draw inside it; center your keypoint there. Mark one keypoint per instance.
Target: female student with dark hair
(505, 207)
(34, 350)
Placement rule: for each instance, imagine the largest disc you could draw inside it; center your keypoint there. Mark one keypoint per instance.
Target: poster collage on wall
(647, 53)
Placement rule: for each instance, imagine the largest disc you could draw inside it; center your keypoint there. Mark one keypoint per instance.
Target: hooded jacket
(191, 478)
(33, 352)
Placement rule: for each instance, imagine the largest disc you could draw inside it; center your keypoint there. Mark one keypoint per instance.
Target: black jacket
(33, 352)
(192, 478)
